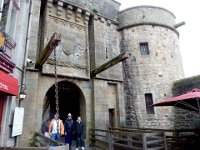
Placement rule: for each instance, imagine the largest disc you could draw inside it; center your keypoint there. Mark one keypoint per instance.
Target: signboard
(18, 121)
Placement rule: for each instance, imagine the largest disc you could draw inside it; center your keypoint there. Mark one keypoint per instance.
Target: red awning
(8, 84)
(189, 101)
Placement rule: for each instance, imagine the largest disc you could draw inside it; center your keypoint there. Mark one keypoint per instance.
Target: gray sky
(187, 11)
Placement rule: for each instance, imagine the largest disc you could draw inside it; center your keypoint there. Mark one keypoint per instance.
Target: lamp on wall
(22, 94)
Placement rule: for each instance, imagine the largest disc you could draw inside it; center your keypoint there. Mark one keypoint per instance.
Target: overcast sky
(189, 12)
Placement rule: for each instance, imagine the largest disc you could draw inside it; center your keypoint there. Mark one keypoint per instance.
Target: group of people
(69, 128)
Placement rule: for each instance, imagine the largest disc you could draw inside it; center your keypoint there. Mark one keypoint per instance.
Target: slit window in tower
(149, 102)
(144, 48)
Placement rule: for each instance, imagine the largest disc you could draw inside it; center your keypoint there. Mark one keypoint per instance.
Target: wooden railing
(178, 139)
(123, 139)
(145, 139)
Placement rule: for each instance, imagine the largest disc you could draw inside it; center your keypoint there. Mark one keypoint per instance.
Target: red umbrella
(189, 101)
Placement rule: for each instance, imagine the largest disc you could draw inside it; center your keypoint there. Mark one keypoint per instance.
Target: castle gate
(71, 100)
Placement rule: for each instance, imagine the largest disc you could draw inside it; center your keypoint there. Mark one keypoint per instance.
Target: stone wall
(37, 87)
(33, 47)
(104, 47)
(72, 52)
(153, 73)
(108, 95)
(105, 8)
(73, 61)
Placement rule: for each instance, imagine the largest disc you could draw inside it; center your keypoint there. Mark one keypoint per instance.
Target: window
(1, 5)
(9, 16)
(144, 48)
(149, 102)
(4, 13)
(12, 21)
(111, 118)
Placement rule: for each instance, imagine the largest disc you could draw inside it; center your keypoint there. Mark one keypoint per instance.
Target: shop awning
(8, 84)
(188, 101)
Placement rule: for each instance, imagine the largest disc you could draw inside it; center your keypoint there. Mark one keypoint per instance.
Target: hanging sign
(18, 121)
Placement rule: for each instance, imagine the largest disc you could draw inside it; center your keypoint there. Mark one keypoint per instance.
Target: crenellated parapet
(67, 12)
(105, 8)
(103, 20)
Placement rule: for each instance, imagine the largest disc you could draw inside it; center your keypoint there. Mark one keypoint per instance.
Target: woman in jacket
(79, 129)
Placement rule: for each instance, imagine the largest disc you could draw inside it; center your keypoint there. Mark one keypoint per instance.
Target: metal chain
(56, 82)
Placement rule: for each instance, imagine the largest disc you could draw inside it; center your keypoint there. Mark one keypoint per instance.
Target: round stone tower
(150, 37)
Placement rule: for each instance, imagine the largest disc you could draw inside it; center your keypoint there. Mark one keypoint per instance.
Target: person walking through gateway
(79, 128)
(56, 128)
(69, 129)
(45, 127)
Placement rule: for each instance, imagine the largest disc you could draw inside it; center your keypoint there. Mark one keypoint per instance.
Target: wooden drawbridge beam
(109, 64)
(54, 41)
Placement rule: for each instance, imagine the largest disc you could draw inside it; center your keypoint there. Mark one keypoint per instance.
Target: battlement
(105, 8)
(74, 13)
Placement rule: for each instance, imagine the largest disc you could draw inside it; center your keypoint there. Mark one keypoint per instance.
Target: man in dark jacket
(69, 129)
(79, 128)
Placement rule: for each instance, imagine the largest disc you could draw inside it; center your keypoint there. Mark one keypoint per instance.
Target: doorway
(71, 100)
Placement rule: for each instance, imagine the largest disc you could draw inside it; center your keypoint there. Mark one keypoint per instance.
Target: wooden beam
(54, 41)
(109, 64)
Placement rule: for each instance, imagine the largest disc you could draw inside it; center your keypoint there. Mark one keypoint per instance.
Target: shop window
(144, 48)
(149, 102)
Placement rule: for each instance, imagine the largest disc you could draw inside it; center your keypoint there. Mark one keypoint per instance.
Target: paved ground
(86, 148)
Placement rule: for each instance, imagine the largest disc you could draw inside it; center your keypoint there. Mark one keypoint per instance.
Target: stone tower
(149, 34)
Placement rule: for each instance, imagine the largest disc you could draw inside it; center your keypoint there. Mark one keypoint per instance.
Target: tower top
(146, 14)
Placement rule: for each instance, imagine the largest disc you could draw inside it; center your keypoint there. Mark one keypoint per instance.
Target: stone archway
(71, 100)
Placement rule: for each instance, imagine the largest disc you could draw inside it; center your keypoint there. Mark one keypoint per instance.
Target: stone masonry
(92, 33)
(153, 73)
(88, 40)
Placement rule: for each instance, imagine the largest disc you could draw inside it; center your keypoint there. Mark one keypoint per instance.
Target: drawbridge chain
(56, 83)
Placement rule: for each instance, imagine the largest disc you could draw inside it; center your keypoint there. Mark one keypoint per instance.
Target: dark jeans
(79, 141)
(56, 137)
(69, 138)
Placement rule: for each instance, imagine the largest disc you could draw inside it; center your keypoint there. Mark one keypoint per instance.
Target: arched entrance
(71, 100)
